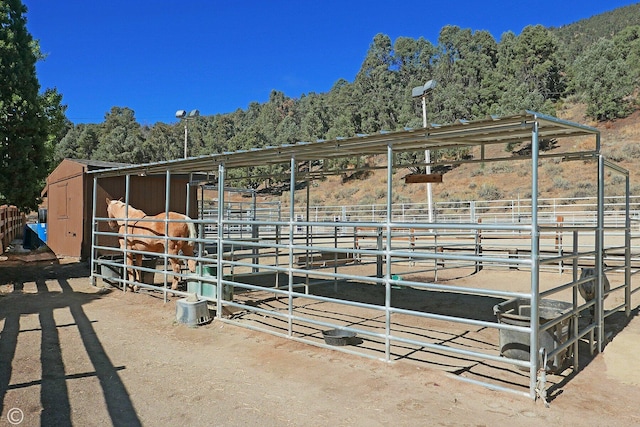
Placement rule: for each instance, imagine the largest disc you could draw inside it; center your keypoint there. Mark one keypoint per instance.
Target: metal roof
(492, 130)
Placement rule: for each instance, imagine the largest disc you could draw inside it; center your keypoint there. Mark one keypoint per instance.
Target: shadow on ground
(53, 384)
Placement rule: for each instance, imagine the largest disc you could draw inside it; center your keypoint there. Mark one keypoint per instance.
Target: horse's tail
(192, 232)
(191, 243)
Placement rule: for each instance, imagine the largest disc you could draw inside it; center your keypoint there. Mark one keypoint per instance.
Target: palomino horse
(140, 224)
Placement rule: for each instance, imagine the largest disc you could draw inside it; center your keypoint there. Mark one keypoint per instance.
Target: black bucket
(339, 337)
(110, 272)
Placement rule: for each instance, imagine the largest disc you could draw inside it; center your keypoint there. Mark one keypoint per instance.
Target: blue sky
(159, 56)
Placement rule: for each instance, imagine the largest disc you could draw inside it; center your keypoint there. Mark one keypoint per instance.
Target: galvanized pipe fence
(381, 276)
(294, 249)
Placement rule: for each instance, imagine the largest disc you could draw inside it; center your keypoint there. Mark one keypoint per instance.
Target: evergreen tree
(120, 139)
(23, 122)
(165, 142)
(530, 71)
(603, 75)
(465, 73)
(59, 124)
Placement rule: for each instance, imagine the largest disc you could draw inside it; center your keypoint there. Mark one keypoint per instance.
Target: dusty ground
(71, 355)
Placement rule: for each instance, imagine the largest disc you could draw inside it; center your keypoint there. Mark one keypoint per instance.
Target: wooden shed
(69, 195)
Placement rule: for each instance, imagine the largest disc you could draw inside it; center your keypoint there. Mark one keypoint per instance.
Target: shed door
(68, 219)
(62, 207)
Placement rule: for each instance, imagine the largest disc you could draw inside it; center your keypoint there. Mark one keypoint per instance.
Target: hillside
(578, 36)
(500, 180)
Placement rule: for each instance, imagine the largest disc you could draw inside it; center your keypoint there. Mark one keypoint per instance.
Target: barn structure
(391, 286)
(69, 194)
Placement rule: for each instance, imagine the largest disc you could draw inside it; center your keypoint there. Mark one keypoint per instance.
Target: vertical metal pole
(599, 254)
(307, 235)
(435, 260)
(167, 197)
(188, 203)
(277, 240)
(575, 300)
(535, 265)
(427, 160)
(95, 228)
(167, 194)
(627, 250)
(219, 238)
(292, 186)
(125, 251)
(255, 231)
(387, 274)
(185, 138)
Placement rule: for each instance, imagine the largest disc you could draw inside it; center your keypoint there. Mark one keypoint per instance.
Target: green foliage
(603, 75)
(560, 183)
(577, 37)
(531, 72)
(465, 72)
(79, 143)
(489, 192)
(625, 152)
(500, 167)
(166, 142)
(58, 123)
(24, 126)
(120, 138)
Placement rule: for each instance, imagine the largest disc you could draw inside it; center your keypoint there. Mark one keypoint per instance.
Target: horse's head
(115, 209)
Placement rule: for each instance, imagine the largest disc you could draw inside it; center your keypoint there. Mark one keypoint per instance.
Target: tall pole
(184, 116)
(427, 159)
(185, 139)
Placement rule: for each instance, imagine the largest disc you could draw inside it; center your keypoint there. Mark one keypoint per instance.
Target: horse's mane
(123, 212)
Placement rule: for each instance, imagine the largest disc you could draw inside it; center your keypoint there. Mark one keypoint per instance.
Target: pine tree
(23, 123)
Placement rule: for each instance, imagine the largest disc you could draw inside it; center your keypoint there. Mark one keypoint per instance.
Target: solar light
(422, 92)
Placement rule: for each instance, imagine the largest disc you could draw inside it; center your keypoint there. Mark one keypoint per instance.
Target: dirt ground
(73, 354)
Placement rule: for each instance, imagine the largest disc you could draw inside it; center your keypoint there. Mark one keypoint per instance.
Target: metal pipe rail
(536, 219)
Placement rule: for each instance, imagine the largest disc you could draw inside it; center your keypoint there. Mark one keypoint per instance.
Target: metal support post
(535, 265)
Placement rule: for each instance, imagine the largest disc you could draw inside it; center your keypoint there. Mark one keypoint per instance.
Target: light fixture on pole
(183, 115)
(422, 92)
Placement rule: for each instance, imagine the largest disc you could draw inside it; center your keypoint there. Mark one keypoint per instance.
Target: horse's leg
(176, 266)
(130, 274)
(187, 250)
(137, 273)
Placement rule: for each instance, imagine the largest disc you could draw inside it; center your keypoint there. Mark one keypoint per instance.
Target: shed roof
(69, 168)
(516, 128)
(98, 164)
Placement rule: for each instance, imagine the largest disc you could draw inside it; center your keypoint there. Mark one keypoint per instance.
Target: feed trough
(339, 337)
(516, 345)
(110, 273)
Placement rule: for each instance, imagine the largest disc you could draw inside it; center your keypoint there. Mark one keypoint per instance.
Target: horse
(141, 224)
(588, 289)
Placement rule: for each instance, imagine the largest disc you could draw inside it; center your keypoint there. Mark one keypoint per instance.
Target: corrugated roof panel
(490, 130)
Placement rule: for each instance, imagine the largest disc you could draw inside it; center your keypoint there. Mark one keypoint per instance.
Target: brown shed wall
(146, 193)
(70, 205)
(65, 207)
